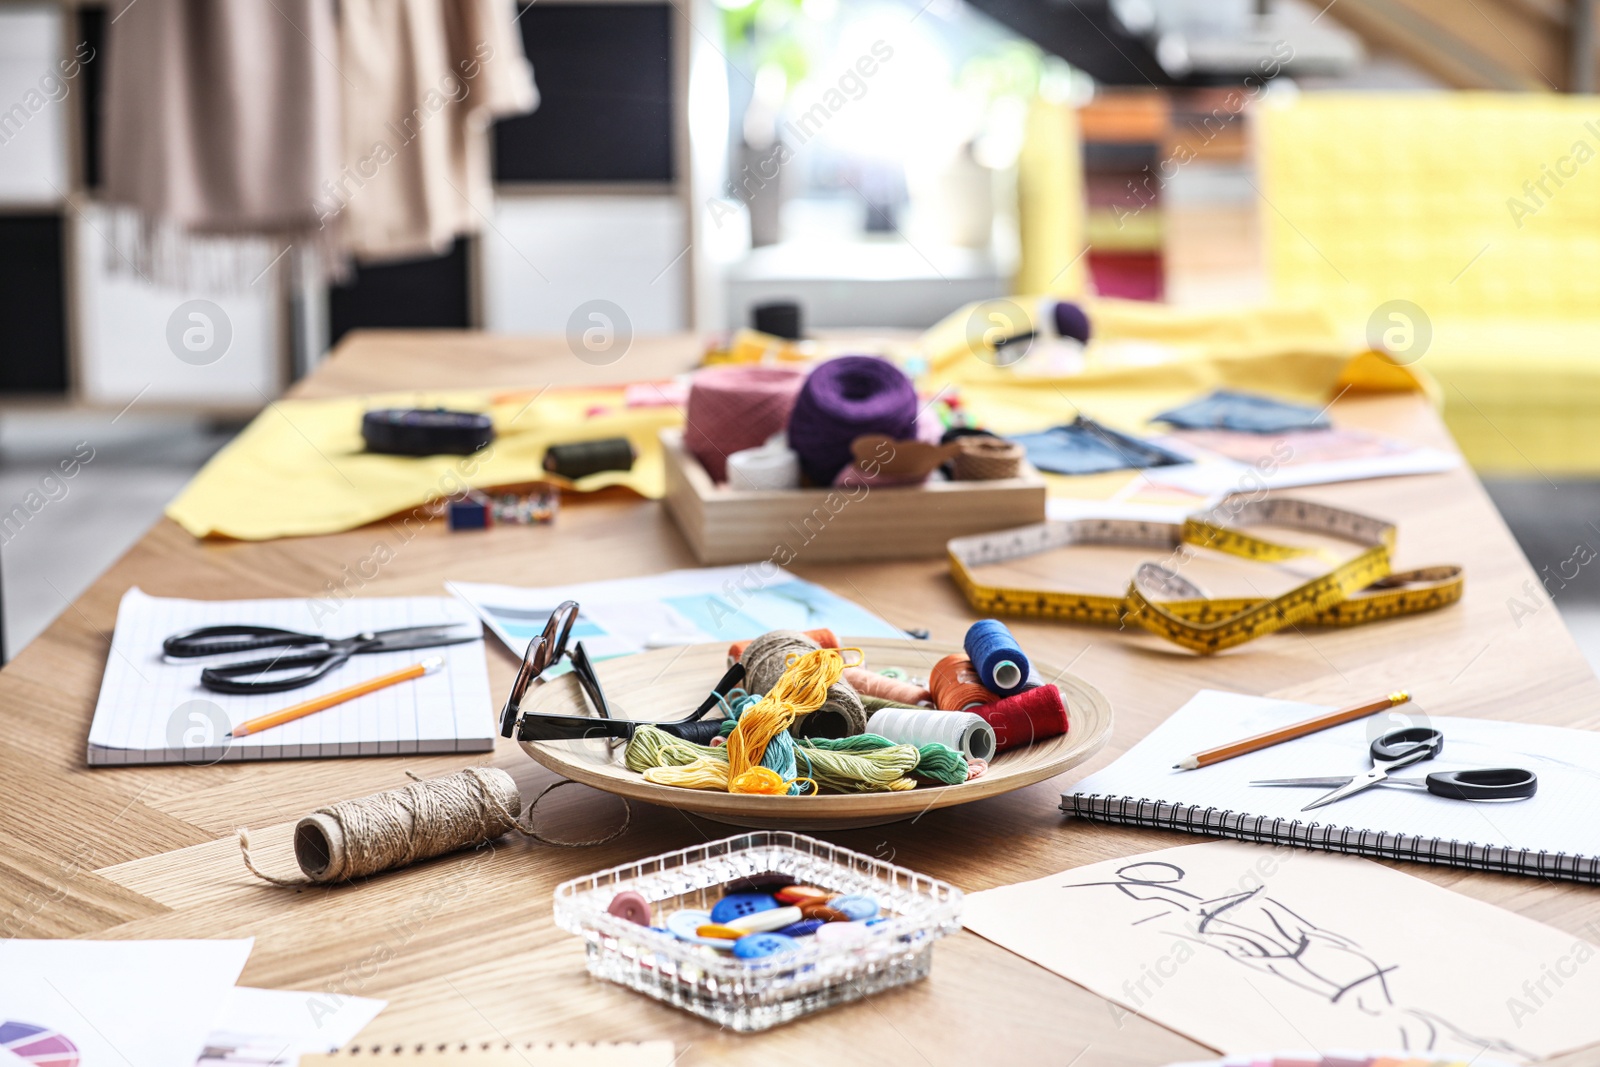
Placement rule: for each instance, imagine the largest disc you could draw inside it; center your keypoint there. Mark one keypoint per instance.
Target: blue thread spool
(1001, 664)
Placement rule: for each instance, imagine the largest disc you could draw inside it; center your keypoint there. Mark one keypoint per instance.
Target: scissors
(1402, 748)
(316, 653)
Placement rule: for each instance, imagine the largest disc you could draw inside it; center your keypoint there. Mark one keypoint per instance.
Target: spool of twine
(732, 409)
(824, 638)
(429, 817)
(847, 398)
(986, 459)
(841, 715)
(955, 685)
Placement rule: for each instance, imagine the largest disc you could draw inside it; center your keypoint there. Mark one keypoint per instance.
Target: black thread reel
(583, 458)
(424, 432)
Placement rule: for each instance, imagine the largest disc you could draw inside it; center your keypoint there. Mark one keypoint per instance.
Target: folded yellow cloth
(300, 468)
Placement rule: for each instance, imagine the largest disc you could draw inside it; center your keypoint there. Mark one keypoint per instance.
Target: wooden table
(464, 948)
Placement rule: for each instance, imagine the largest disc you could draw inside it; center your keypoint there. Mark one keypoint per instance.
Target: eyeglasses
(548, 649)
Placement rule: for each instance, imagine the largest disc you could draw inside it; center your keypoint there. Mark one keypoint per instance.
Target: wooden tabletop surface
(464, 947)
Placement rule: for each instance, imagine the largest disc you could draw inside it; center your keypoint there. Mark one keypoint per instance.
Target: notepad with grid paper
(154, 710)
(1552, 834)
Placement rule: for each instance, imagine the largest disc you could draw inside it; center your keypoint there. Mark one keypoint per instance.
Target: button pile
(764, 916)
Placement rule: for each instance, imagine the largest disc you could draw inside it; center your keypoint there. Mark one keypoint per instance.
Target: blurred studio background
(880, 162)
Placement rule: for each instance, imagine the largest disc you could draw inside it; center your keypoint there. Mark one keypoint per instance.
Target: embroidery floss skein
(870, 683)
(955, 685)
(765, 660)
(843, 399)
(1002, 665)
(866, 763)
(734, 408)
(963, 731)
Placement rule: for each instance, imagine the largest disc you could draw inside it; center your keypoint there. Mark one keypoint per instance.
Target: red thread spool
(1031, 715)
(873, 684)
(955, 685)
(823, 638)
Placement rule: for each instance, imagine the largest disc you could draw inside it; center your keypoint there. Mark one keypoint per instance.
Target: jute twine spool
(985, 459)
(427, 818)
(764, 661)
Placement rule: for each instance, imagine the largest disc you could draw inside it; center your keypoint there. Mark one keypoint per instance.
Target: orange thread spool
(824, 638)
(874, 684)
(955, 685)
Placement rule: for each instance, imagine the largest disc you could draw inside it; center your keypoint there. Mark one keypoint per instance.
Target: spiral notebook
(501, 1054)
(1550, 835)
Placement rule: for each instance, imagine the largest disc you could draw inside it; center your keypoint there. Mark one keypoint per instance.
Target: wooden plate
(667, 683)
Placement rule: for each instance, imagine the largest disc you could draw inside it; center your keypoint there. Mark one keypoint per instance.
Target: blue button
(683, 924)
(735, 905)
(802, 928)
(856, 906)
(759, 946)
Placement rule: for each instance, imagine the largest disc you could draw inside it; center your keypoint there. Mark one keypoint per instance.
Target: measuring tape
(1359, 590)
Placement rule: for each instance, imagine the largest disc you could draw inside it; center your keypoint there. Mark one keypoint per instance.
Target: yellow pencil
(298, 711)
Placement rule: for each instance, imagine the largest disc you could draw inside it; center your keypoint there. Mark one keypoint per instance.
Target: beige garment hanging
(220, 119)
(424, 78)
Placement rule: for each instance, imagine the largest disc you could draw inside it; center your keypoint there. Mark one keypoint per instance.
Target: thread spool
(955, 685)
(870, 683)
(765, 658)
(824, 638)
(1030, 716)
(773, 465)
(1002, 665)
(967, 733)
(844, 399)
(579, 459)
(987, 459)
(732, 409)
(427, 818)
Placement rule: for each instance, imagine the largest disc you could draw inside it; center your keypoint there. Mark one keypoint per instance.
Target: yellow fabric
(1482, 209)
(299, 467)
(1050, 217)
(1145, 358)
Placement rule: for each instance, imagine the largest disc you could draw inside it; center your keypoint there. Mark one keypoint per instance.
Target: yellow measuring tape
(1361, 589)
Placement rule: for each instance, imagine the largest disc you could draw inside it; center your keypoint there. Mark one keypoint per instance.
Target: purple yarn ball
(843, 399)
(1071, 321)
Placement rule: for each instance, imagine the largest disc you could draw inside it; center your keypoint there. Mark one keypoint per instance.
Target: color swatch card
(1243, 947)
(113, 1003)
(153, 709)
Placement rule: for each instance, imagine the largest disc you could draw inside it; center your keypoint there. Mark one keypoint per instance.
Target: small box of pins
(758, 929)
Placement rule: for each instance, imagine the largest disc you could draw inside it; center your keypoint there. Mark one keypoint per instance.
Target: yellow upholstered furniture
(1483, 211)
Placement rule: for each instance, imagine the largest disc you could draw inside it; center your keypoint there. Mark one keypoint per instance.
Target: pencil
(310, 707)
(1289, 733)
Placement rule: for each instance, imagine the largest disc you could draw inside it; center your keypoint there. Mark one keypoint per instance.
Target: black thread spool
(583, 458)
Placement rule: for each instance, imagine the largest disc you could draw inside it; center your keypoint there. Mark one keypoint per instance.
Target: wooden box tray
(724, 525)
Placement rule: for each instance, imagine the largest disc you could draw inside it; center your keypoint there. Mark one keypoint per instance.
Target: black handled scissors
(1402, 748)
(316, 654)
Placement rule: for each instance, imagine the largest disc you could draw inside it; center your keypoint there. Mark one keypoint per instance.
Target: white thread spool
(774, 465)
(961, 730)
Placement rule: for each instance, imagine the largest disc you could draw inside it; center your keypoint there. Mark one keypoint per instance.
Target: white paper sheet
(1246, 947)
(626, 615)
(275, 1027)
(113, 1003)
(155, 710)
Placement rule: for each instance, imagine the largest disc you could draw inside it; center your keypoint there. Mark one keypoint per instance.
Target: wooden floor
(464, 947)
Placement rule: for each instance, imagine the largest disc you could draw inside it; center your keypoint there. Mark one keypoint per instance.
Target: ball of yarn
(732, 409)
(1072, 321)
(843, 399)
(841, 715)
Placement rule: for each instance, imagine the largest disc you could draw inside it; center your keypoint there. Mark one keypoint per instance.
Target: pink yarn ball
(735, 408)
